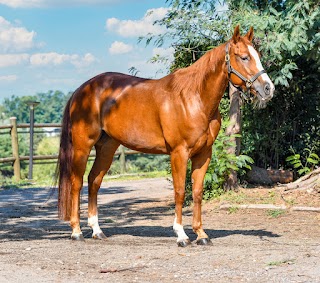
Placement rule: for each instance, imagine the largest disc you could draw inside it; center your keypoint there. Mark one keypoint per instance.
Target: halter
(248, 82)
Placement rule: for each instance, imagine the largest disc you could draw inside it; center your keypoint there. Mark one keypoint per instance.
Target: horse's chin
(259, 102)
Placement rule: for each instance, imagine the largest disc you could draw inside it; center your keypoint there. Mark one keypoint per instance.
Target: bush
(48, 146)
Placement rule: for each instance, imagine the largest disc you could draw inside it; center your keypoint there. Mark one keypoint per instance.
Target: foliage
(49, 110)
(48, 146)
(149, 162)
(275, 213)
(303, 164)
(290, 49)
(287, 35)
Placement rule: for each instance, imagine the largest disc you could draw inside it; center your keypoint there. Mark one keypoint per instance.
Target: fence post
(15, 148)
(122, 160)
(32, 105)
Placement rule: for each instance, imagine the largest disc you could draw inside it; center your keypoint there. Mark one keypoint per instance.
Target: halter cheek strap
(248, 82)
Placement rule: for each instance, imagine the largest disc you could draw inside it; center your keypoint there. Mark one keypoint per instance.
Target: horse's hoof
(77, 237)
(184, 243)
(99, 236)
(204, 242)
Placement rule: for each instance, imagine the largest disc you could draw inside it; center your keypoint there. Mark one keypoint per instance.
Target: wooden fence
(16, 158)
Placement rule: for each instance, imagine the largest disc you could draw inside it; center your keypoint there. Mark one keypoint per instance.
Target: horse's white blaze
(94, 224)
(255, 56)
(178, 229)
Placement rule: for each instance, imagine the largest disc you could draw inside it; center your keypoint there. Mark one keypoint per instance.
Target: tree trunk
(309, 182)
(234, 128)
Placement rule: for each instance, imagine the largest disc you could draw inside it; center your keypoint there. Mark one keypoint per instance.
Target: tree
(49, 109)
(287, 34)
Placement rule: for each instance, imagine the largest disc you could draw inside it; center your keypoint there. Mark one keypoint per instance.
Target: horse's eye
(245, 58)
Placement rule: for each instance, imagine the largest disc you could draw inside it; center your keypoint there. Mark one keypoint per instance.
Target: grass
(233, 209)
(47, 179)
(246, 196)
(136, 176)
(275, 213)
(234, 197)
(281, 262)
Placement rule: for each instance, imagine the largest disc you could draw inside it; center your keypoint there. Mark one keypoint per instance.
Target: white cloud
(85, 61)
(14, 37)
(53, 3)
(134, 28)
(9, 78)
(7, 60)
(53, 58)
(119, 47)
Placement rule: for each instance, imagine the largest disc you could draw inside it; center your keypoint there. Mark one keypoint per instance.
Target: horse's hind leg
(82, 143)
(79, 161)
(105, 149)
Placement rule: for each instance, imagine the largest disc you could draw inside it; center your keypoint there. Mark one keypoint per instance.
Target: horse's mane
(192, 78)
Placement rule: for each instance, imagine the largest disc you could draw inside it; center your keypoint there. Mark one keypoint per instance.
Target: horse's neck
(206, 78)
(215, 82)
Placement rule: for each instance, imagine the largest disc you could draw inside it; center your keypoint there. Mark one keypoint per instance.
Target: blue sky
(57, 45)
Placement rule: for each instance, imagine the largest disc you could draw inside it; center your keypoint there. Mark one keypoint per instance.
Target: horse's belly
(136, 132)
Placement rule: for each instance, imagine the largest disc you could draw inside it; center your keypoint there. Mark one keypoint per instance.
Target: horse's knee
(180, 194)
(197, 195)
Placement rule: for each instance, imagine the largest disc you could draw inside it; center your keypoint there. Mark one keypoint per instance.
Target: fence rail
(16, 158)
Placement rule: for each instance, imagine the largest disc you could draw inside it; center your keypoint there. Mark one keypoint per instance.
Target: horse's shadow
(33, 216)
(162, 231)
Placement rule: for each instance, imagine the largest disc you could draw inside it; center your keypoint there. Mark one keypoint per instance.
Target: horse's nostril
(267, 88)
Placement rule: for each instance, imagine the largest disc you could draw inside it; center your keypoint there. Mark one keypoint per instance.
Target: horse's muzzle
(265, 91)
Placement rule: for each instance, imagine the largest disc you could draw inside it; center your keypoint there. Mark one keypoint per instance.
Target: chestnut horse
(176, 115)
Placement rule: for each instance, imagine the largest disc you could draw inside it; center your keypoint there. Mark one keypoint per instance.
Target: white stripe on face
(255, 56)
(265, 77)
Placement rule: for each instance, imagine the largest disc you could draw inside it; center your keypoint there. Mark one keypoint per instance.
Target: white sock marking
(94, 224)
(178, 229)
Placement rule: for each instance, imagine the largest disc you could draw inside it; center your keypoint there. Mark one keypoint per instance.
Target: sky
(57, 45)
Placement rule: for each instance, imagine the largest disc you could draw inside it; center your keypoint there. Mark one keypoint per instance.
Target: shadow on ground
(31, 214)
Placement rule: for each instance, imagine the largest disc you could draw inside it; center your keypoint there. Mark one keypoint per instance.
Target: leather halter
(248, 82)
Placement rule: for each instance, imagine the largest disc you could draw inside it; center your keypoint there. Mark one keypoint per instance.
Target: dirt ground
(249, 245)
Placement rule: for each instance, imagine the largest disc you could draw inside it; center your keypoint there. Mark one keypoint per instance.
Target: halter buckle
(248, 84)
(227, 57)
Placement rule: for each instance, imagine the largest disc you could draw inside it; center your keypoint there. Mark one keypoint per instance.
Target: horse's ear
(236, 34)
(249, 35)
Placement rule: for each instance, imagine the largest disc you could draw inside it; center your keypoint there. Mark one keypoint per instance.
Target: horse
(175, 115)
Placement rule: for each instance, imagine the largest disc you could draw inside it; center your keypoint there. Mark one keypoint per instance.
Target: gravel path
(248, 245)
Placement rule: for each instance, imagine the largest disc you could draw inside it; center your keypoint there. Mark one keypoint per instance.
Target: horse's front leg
(179, 160)
(200, 164)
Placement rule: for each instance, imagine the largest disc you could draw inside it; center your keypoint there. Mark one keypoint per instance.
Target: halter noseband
(248, 82)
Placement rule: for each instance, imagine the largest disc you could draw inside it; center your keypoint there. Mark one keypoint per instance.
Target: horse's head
(245, 69)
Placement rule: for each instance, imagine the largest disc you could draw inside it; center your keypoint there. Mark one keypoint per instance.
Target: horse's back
(125, 107)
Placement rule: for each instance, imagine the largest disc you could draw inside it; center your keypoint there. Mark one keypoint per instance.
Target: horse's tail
(64, 166)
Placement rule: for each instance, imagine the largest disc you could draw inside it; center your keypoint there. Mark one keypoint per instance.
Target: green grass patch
(275, 213)
(233, 209)
(281, 262)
